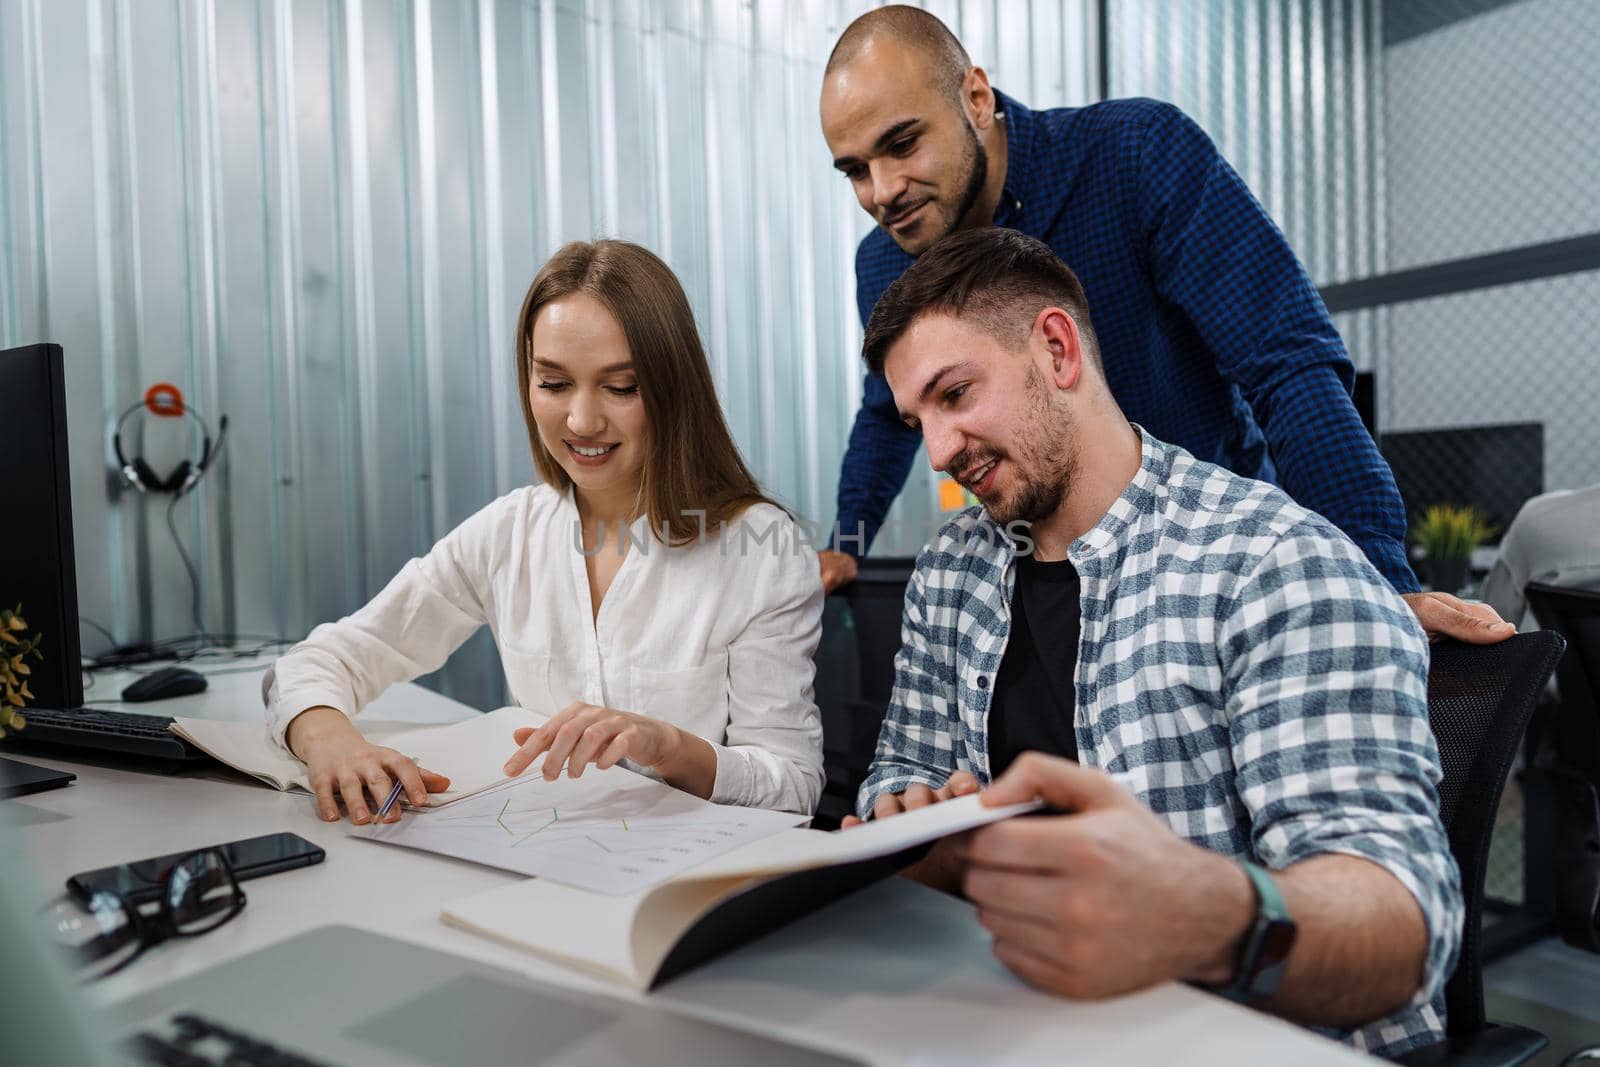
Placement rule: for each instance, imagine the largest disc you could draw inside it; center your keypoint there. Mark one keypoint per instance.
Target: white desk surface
(898, 973)
(233, 692)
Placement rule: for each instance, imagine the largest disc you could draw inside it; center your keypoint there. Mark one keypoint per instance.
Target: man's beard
(1043, 469)
(976, 162)
(977, 176)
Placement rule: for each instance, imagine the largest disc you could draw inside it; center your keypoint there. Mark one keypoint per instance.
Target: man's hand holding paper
(942, 867)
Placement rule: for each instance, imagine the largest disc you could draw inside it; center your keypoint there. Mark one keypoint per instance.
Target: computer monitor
(37, 568)
(1492, 468)
(1365, 396)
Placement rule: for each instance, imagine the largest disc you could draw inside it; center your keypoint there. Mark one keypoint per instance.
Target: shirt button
(983, 681)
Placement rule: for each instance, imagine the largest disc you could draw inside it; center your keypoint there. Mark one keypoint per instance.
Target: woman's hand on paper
(942, 868)
(584, 734)
(339, 758)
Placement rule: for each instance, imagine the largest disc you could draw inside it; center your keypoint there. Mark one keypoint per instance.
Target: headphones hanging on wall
(165, 400)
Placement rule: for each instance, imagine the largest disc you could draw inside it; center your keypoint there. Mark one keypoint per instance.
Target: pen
(394, 795)
(388, 803)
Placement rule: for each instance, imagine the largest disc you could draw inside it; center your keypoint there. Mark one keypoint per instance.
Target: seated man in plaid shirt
(1214, 681)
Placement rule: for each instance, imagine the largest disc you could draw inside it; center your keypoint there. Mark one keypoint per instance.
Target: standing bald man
(1221, 343)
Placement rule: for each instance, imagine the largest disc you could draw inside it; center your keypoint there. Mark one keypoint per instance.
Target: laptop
(342, 996)
(336, 996)
(339, 995)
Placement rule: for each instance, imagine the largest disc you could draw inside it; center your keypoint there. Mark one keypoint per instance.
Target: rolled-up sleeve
(918, 738)
(410, 628)
(1328, 720)
(773, 754)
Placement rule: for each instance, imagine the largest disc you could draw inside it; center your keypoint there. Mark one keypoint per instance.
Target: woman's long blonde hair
(690, 461)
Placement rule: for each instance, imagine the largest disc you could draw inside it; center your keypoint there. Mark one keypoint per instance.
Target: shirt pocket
(528, 680)
(693, 698)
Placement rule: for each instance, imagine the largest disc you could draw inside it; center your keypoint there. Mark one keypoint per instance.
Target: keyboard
(188, 1040)
(122, 733)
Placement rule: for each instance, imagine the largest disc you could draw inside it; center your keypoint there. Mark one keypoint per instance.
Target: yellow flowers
(14, 670)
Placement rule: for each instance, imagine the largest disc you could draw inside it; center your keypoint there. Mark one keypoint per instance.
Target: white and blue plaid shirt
(1242, 669)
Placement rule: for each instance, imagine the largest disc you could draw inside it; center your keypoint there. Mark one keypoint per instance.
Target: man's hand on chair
(1443, 615)
(838, 568)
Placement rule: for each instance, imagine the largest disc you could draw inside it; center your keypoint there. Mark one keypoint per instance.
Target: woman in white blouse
(647, 596)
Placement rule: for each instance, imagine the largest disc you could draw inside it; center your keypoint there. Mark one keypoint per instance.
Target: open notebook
(646, 938)
(470, 753)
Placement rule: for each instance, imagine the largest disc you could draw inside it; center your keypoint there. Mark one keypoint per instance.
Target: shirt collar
(1018, 123)
(569, 510)
(1098, 550)
(1095, 553)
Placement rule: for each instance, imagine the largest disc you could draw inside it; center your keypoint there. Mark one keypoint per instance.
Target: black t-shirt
(1033, 692)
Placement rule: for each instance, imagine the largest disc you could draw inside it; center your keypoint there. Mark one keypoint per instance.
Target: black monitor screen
(36, 560)
(1366, 399)
(1492, 468)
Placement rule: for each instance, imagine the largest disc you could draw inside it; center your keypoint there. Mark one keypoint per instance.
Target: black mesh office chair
(1480, 698)
(855, 676)
(1570, 760)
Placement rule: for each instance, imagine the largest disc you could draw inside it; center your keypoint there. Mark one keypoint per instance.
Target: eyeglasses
(197, 895)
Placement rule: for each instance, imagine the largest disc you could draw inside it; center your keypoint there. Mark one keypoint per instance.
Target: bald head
(945, 61)
(912, 126)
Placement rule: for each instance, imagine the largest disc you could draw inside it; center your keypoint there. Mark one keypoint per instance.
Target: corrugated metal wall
(1291, 91)
(319, 217)
(1385, 136)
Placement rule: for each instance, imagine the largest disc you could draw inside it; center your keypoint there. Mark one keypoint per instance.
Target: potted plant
(1447, 536)
(15, 648)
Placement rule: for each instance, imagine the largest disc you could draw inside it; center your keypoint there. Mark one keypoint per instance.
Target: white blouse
(715, 637)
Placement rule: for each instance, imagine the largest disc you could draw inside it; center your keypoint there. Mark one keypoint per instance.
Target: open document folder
(645, 938)
(471, 753)
(608, 831)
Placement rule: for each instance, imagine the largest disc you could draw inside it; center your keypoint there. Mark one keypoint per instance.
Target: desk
(233, 693)
(898, 973)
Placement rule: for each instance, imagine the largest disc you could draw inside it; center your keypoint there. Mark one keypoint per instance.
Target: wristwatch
(1264, 952)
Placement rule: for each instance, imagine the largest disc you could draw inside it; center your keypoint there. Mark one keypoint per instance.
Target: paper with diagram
(612, 831)
(470, 752)
(646, 938)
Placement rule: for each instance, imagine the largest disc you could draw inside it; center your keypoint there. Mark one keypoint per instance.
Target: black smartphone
(251, 858)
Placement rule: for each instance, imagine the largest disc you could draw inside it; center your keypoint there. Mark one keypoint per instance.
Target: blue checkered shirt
(1211, 333)
(1242, 669)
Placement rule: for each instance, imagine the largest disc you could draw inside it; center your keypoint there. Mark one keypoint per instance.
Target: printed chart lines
(616, 833)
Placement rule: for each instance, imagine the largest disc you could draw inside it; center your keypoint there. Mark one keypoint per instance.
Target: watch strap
(1255, 977)
(1269, 898)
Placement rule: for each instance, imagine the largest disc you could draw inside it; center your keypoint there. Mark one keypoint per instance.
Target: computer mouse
(167, 682)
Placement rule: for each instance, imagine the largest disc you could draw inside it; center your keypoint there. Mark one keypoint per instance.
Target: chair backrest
(855, 676)
(1575, 615)
(1480, 698)
(877, 600)
(1572, 761)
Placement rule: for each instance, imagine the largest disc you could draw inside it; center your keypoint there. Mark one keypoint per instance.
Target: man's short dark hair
(998, 279)
(947, 61)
